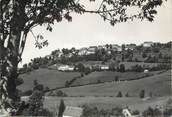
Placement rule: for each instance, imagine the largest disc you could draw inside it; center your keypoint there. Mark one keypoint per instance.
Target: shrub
(58, 93)
(142, 94)
(137, 68)
(87, 70)
(150, 112)
(167, 112)
(35, 103)
(119, 94)
(136, 112)
(122, 68)
(116, 78)
(61, 108)
(127, 95)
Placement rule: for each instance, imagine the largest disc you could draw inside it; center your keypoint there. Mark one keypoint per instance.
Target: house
(82, 51)
(49, 57)
(146, 71)
(65, 68)
(91, 50)
(147, 44)
(100, 47)
(126, 113)
(116, 47)
(71, 111)
(130, 46)
(104, 67)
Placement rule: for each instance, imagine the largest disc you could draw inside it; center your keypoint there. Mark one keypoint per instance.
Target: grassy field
(50, 78)
(106, 102)
(159, 85)
(128, 65)
(108, 76)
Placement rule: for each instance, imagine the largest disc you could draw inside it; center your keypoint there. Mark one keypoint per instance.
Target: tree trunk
(9, 63)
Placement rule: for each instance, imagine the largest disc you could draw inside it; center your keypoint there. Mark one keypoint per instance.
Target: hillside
(50, 78)
(158, 84)
(106, 102)
(108, 76)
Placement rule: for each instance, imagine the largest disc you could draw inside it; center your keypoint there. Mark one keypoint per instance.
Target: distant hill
(158, 85)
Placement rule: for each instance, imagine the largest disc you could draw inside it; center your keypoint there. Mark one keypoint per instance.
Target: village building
(82, 51)
(104, 67)
(116, 47)
(91, 50)
(130, 46)
(147, 44)
(71, 111)
(65, 68)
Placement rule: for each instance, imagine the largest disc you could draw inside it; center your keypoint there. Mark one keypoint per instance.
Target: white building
(82, 51)
(116, 47)
(65, 68)
(126, 113)
(104, 67)
(147, 44)
(71, 111)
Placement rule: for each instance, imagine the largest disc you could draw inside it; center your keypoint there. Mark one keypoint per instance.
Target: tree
(61, 108)
(122, 68)
(127, 94)
(35, 103)
(142, 94)
(119, 94)
(19, 17)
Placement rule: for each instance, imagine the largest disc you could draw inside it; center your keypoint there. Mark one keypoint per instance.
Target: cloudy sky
(89, 29)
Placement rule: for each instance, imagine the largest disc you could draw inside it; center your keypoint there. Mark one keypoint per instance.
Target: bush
(87, 70)
(122, 68)
(116, 78)
(136, 112)
(150, 112)
(142, 94)
(167, 112)
(61, 108)
(119, 94)
(127, 95)
(58, 93)
(137, 68)
(35, 102)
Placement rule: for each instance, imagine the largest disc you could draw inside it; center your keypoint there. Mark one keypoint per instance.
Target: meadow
(47, 77)
(158, 85)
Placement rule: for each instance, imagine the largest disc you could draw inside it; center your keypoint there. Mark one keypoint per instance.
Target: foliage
(127, 94)
(58, 93)
(35, 102)
(135, 112)
(137, 68)
(95, 112)
(142, 94)
(122, 68)
(61, 108)
(150, 112)
(119, 94)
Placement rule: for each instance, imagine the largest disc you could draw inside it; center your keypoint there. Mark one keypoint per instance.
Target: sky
(90, 30)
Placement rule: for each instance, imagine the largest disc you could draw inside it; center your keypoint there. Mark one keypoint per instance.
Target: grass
(50, 78)
(106, 102)
(108, 76)
(128, 65)
(158, 84)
